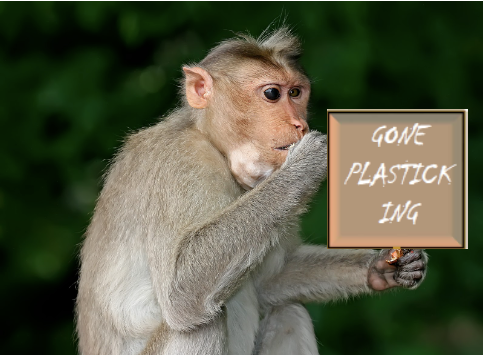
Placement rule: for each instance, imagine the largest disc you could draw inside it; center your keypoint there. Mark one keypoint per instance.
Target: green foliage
(75, 78)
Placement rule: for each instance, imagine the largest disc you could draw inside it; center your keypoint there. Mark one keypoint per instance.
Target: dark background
(75, 78)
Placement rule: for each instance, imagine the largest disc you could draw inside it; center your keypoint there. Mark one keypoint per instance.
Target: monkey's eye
(294, 92)
(272, 94)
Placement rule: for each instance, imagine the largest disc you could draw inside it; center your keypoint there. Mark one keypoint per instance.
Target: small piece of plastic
(395, 255)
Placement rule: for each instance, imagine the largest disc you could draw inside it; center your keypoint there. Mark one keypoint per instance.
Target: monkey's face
(253, 112)
(269, 115)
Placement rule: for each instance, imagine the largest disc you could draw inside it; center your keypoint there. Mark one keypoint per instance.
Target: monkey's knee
(286, 330)
(206, 339)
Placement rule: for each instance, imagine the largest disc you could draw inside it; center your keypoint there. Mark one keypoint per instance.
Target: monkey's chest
(242, 318)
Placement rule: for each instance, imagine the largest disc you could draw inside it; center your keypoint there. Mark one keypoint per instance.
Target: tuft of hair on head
(278, 47)
(279, 42)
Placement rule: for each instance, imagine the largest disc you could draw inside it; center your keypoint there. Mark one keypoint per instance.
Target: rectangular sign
(397, 178)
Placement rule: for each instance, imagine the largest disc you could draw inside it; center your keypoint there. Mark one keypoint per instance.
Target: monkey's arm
(205, 264)
(316, 274)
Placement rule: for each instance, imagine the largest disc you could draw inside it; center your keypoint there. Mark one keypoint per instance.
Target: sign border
(464, 112)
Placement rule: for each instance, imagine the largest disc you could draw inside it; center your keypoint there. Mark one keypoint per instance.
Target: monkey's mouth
(285, 147)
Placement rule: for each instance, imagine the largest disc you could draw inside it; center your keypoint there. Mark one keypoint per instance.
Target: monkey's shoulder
(176, 171)
(181, 152)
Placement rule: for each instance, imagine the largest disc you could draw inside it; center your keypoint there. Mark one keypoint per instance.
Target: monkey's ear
(199, 86)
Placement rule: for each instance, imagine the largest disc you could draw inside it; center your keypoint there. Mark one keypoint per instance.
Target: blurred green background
(75, 78)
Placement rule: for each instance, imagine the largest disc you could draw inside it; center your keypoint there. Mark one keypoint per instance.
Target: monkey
(194, 244)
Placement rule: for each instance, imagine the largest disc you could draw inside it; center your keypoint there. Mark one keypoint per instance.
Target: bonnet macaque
(194, 247)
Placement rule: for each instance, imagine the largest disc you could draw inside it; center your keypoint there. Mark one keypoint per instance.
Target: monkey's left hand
(407, 272)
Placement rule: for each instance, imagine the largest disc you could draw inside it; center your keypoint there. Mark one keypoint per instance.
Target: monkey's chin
(250, 182)
(248, 166)
(250, 178)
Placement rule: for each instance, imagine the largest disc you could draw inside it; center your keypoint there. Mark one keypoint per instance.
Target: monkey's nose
(301, 125)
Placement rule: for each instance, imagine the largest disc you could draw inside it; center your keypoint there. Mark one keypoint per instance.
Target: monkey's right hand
(306, 164)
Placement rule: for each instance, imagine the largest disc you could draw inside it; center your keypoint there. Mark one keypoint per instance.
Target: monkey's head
(251, 97)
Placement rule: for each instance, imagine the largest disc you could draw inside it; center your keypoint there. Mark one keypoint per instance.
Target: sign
(397, 178)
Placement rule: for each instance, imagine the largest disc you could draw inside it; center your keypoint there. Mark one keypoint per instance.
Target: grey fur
(179, 259)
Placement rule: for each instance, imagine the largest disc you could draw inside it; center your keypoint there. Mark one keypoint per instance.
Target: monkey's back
(160, 174)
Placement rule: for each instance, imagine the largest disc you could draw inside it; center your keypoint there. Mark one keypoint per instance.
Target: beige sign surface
(397, 178)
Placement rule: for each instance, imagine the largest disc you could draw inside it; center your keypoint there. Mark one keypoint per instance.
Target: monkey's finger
(407, 283)
(308, 138)
(414, 266)
(408, 276)
(304, 146)
(410, 256)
